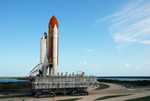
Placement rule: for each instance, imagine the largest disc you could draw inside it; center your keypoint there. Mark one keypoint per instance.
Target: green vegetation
(147, 98)
(102, 86)
(110, 96)
(128, 84)
(11, 96)
(72, 99)
(14, 86)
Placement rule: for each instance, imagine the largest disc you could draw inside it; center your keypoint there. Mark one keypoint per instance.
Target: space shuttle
(49, 49)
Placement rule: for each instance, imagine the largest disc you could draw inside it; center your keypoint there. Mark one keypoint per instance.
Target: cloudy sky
(100, 37)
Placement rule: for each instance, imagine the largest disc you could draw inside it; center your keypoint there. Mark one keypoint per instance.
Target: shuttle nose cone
(53, 22)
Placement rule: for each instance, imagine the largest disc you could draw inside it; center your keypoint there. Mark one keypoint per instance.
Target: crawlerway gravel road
(113, 89)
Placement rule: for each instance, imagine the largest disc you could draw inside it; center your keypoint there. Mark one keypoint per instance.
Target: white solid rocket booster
(43, 48)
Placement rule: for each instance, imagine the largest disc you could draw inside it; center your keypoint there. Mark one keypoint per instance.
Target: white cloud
(131, 23)
(147, 42)
(90, 50)
(128, 65)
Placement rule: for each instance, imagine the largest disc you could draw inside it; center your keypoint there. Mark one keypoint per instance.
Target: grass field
(147, 98)
(128, 84)
(73, 99)
(110, 96)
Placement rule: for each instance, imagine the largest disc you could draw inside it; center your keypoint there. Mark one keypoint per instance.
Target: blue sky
(101, 37)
